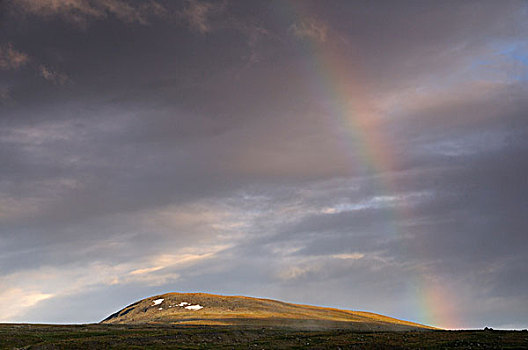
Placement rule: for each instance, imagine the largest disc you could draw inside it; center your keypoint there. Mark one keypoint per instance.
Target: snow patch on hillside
(184, 304)
(194, 307)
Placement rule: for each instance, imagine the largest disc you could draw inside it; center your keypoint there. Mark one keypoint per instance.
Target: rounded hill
(210, 309)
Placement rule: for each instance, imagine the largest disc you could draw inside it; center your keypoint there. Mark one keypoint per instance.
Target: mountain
(210, 309)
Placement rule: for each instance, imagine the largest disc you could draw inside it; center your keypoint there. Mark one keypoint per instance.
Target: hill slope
(209, 309)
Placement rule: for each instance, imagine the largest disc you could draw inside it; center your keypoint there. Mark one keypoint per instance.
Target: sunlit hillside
(209, 309)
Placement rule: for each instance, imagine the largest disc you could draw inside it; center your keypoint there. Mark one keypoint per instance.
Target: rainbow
(357, 120)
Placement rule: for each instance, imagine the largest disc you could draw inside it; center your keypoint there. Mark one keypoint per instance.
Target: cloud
(14, 208)
(4, 94)
(52, 76)
(254, 34)
(167, 167)
(15, 301)
(378, 202)
(81, 11)
(310, 28)
(197, 13)
(11, 58)
(55, 283)
(297, 272)
(353, 256)
(165, 261)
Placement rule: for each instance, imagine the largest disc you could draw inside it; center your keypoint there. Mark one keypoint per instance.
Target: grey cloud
(197, 14)
(11, 58)
(50, 75)
(170, 143)
(4, 94)
(310, 28)
(80, 11)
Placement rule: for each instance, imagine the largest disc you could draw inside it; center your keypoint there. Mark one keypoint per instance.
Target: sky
(365, 155)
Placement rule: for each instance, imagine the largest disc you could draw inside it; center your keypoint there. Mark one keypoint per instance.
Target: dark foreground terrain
(105, 336)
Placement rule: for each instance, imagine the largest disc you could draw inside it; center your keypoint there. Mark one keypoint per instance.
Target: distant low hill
(209, 309)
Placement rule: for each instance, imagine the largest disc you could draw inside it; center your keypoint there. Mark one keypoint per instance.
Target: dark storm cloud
(194, 145)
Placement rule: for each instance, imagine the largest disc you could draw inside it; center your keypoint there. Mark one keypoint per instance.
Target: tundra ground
(109, 336)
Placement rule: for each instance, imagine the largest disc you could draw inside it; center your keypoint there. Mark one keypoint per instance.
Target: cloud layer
(337, 155)
(81, 11)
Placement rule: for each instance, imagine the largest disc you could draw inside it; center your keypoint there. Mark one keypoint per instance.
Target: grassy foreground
(107, 336)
